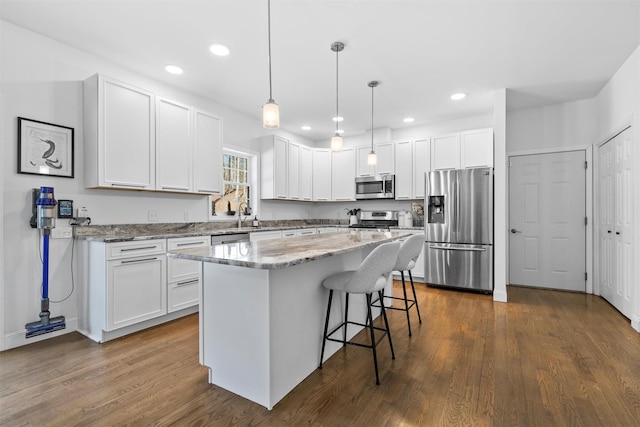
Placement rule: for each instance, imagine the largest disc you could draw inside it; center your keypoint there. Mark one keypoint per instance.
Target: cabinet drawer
(183, 294)
(181, 269)
(135, 249)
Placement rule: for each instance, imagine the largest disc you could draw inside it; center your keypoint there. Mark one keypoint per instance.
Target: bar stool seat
(371, 276)
(409, 252)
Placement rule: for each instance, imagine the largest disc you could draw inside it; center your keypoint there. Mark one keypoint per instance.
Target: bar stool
(371, 276)
(409, 252)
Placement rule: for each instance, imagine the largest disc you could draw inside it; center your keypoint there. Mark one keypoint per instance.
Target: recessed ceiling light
(338, 119)
(218, 49)
(408, 120)
(306, 127)
(458, 96)
(173, 69)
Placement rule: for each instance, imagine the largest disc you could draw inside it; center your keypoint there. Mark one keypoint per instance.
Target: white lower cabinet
(122, 285)
(256, 236)
(183, 276)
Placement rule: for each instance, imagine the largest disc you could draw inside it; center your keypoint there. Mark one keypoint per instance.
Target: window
(237, 181)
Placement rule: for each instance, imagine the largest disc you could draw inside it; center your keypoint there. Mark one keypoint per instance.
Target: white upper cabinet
(173, 146)
(294, 171)
(135, 139)
(445, 152)
(343, 174)
(207, 153)
(321, 174)
(421, 165)
(306, 173)
(274, 170)
(119, 135)
(468, 149)
(404, 170)
(386, 159)
(412, 162)
(476, 148)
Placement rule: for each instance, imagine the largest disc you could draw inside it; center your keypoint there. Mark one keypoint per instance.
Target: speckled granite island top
(283, 253)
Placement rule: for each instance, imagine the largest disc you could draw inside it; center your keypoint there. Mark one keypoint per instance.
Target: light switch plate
(62, 233)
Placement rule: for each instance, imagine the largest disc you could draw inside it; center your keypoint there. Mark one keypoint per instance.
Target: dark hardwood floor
(546, 358)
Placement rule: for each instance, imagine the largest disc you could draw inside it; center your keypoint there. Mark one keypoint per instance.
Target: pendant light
(372, 158)
(336, 140)
(270, 110)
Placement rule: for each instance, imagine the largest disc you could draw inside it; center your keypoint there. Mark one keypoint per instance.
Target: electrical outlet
(62, 233)
(83, 212)
(154, 216)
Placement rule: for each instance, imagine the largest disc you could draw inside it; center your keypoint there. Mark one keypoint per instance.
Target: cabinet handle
(167, 187)
(137, 249)
(617, 233)
(128, 185)
(129, 261)
(188, 282)
(189, 244)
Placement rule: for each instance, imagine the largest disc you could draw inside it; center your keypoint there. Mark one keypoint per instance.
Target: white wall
(42, 80)
(551, 127)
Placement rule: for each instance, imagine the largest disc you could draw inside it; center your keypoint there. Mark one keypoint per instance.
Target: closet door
(615, 222)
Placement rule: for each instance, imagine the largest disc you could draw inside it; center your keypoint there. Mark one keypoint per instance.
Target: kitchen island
(263, 306)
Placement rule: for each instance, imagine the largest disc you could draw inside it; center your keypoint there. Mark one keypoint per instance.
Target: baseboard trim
(18, 339)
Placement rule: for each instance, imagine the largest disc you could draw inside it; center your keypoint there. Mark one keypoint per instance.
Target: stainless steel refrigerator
(459, 229)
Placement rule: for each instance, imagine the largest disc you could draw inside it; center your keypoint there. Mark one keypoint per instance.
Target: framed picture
(44, 148)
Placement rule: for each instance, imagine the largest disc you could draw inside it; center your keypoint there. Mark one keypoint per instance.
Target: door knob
(514, 231)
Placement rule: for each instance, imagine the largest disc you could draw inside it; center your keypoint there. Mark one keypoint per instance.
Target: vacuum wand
(46, 221)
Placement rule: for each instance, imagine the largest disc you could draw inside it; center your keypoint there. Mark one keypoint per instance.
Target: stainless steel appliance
(377, 220)
(459, 229)
(375, 187)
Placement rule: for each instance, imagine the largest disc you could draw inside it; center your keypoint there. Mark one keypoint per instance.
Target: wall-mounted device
(65, 208)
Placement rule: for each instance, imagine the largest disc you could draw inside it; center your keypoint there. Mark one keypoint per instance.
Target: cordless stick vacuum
(46, 221)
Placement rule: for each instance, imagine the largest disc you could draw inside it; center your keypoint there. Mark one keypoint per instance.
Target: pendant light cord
(372, 86)
(269, 40)
(337, 114)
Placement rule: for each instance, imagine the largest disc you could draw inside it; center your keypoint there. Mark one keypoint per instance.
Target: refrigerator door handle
(451, 248)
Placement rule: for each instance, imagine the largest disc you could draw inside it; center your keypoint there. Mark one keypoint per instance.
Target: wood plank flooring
(546, 358)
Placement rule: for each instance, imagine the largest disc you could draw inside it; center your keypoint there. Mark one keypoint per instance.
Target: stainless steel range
(377, 220)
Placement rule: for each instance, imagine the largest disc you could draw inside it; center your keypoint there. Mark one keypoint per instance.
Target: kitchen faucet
(240, 213)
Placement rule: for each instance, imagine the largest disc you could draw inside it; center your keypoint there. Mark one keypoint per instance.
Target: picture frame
(45, 148)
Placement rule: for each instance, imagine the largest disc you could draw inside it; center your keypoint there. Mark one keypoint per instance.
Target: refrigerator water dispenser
(435, 210)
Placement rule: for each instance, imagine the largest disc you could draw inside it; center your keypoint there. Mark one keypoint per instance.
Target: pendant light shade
(372, 158)
(270, 110)
(270, 115)
(336, 140)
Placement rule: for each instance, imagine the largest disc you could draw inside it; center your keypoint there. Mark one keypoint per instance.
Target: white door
(615, 222)
(547, 214)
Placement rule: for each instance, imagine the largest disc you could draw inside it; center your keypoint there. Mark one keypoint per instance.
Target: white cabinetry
(207, 152)
(321, 174)
(385, 155)
(134, 139)
(469, 149)
(293, 173)
(274, 170)
(445, 152)
(476, 148)
(184, 276)
(119, 135)
(257, 236)
(412, 161)
(123, 287)
(306, 173)
(173, 146)
(343, 175)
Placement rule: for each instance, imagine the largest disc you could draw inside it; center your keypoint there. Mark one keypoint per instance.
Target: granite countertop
(282, 253)
(130, 232)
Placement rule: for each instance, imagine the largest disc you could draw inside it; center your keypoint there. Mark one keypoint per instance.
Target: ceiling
(420, 51)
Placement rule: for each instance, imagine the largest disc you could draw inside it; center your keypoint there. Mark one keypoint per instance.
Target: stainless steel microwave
(375, 187)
